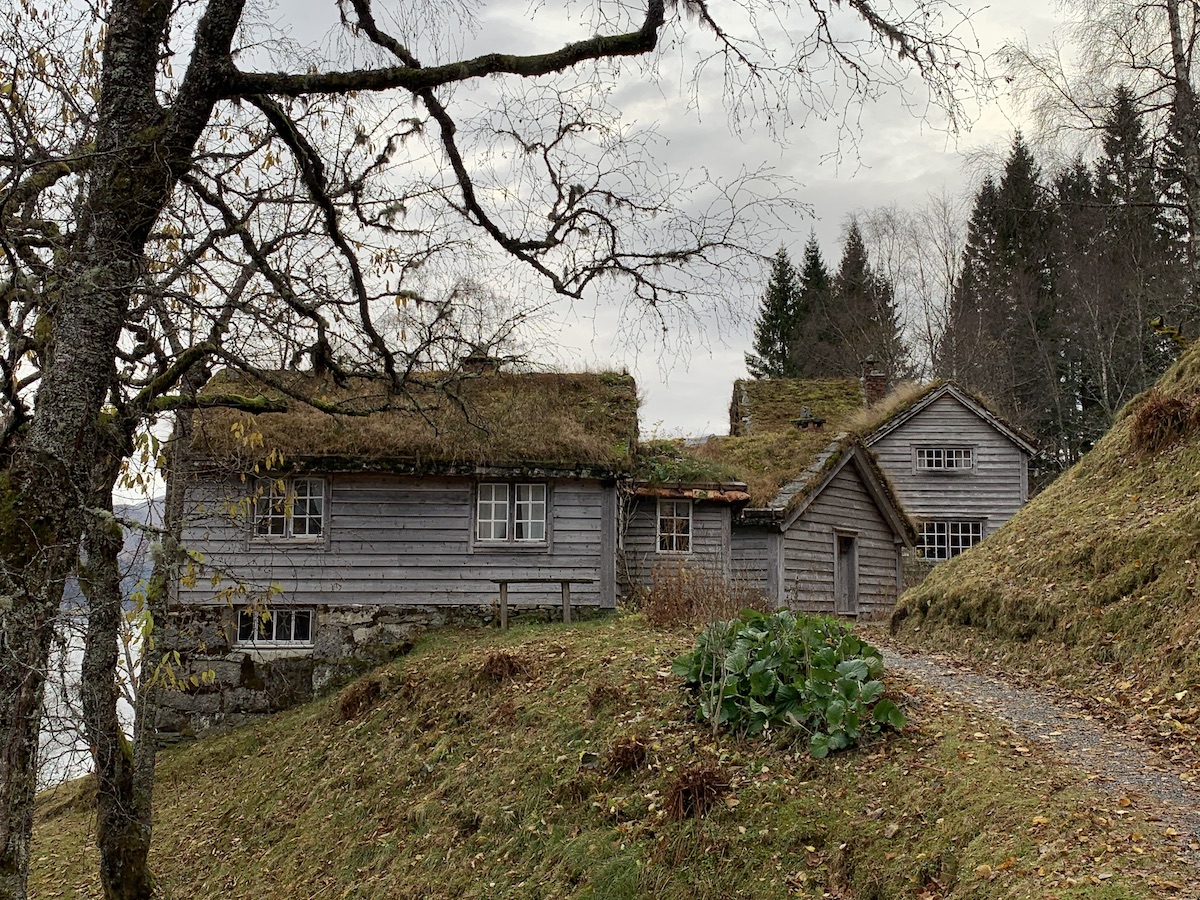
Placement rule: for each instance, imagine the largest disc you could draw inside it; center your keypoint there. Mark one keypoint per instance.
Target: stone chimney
(874, 382)
(807, 421)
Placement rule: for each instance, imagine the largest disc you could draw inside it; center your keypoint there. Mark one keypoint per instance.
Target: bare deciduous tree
(180, 188)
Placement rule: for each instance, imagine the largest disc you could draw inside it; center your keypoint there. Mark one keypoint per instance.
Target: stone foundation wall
(220, 685)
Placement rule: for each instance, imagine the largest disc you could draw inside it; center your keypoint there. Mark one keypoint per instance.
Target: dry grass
(438, 795)
(682, 594)
(359, 698)
(502, 666)
(695, 791)
(627, 754)
(1161, 420)
(767, 461)
(501, 419)
(899, 398)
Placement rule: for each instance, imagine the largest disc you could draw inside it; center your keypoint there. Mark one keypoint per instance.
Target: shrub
(626, 754)
(695, 790)
(757, 673)
(692, 595)
(502, 666)
(1161, 421)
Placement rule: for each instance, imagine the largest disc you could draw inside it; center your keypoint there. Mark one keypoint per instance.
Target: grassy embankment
(550, 762)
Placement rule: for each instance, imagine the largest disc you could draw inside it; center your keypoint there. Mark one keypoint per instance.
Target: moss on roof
(500, 419)
(1095, 581)
(773, 404)
(675, 462)
(766, 461)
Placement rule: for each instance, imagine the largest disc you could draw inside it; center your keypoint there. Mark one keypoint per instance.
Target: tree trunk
(37, 550)
(122, 812)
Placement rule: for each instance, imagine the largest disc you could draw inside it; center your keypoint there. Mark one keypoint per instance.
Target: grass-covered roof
(765, 449)
(762, 405)
(497, 419)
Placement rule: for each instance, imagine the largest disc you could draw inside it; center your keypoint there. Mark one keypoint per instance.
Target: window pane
(245, 626)
(302, 625)
(308, 501)
(492, 513)
(269, 509)
(943, 540)
(283, 624)
(945, 458)
(530, 521)
(674, 526)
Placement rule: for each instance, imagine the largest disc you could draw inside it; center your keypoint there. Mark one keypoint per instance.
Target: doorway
(845, 574)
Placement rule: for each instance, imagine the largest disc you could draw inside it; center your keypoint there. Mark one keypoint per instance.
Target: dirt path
(1119, 763)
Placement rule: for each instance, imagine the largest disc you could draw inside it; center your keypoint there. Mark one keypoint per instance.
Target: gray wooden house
(327, 537)
(786, 505)
(959, 468)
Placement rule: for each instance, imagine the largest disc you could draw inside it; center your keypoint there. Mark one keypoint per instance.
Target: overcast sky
(899, 160)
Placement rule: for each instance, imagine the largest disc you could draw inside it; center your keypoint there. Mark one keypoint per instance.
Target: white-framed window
(945, 459)
(275, 627)
(942, 540)
(529, 518)
(510, 513)
(674, 526)
(290, 508)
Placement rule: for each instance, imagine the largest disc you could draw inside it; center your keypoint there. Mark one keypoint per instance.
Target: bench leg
(503, 606)
(566, 594)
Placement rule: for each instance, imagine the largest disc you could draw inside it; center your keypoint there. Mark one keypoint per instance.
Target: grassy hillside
(554, 762)
(1094, 582)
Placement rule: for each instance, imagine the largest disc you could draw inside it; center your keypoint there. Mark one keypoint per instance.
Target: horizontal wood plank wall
(808, 549)
(402, 540)
(994, 490)
(752, 558)
(710, 542)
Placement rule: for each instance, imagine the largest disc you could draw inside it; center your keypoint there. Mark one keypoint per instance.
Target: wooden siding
(639, 547)
(843, 506)
(757, 561)
(401, 540)
(992, 492)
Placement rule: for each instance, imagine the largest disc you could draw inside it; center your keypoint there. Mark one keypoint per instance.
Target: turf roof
(499, 419)
(766, 450)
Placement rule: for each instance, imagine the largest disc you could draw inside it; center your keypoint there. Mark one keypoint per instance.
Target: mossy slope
(484, 765)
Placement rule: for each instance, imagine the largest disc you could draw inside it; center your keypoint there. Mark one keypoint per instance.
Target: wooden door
(845, 574)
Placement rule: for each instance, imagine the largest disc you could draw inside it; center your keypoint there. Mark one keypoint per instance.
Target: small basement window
(275, 627)
(942, 540)
(674, 526)
(945, 459)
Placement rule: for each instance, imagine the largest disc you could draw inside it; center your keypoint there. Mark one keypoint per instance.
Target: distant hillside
(552, 762)
(1094, 582)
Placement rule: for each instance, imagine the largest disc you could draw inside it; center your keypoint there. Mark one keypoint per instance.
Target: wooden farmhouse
(359, 524)
(960, 470)
(787, 505)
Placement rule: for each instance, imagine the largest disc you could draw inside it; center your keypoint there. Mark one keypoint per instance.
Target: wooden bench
(566, 594)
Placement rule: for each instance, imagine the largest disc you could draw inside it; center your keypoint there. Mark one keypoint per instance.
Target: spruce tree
(814, 344)
(862, 313)
(776, 323)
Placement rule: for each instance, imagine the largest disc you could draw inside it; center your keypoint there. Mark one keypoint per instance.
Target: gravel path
(1117, 762)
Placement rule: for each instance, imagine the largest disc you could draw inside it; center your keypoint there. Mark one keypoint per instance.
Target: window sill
(511, 546)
